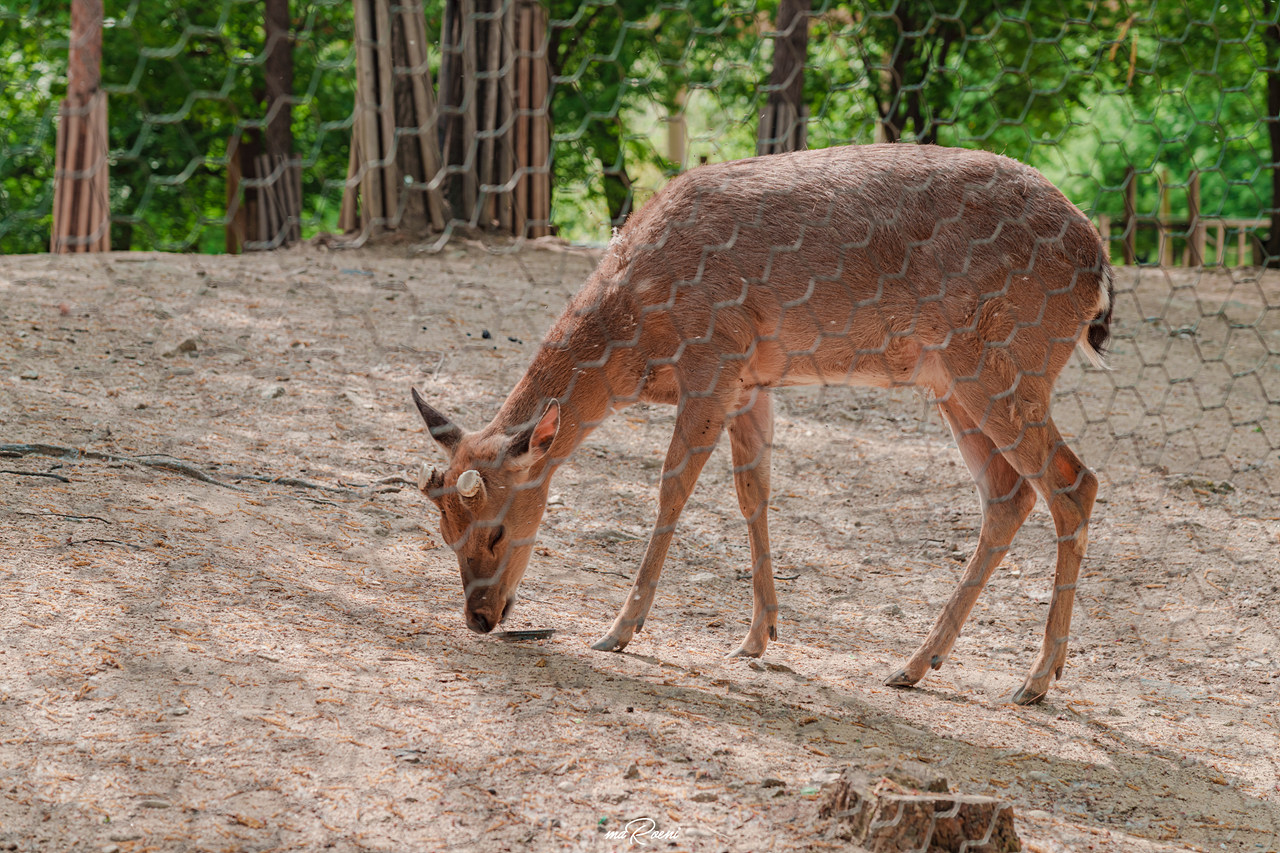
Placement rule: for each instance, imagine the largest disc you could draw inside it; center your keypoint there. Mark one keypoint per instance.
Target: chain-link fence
(233, 616)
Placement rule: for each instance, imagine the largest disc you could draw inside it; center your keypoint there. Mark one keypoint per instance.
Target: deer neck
(568, 369)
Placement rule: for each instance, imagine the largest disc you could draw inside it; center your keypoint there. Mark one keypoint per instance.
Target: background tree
(784, 118)
(1079, 89)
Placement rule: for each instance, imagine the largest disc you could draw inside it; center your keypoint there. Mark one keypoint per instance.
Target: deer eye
(498, 533)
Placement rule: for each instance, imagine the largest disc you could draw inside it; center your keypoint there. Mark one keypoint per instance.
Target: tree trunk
(81, 211)
(280, 187)
(782, 123)
(1271, 38)
(278, 71)
(606, 141)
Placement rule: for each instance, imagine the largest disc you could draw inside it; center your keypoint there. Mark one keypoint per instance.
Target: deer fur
(960, 272)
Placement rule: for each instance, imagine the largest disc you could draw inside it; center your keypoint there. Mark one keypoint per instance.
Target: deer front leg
(698, 425)
(751, 438)
(1007, 500)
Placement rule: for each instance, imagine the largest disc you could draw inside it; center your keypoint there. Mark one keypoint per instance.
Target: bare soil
(229, 623)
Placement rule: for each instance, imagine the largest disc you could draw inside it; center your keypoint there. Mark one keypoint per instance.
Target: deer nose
(478, 623)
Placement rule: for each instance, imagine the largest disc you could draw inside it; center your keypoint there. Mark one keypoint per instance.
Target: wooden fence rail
(1192, 232)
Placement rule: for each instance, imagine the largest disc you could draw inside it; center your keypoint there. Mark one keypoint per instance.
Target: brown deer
(961, 272)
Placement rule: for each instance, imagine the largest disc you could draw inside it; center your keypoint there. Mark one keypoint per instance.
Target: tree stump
(901, 812)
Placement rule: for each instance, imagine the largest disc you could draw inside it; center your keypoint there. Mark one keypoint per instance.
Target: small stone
(29, 374)
(189, 345)
(771, 782)
(154, 804)
(633, 772)
(179, 712)
(704, 797)
(271, 392)
(891, 610)
(769, 666)
(702, 577)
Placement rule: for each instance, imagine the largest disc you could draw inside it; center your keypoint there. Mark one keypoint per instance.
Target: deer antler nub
(469, 483)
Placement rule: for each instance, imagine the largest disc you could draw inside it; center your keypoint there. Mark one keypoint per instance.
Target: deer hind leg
(699, 422)
(1029, 439)
(1007, 500)
(1069, 488)
(751, 439)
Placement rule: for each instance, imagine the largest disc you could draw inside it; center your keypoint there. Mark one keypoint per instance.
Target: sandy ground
(244, 662)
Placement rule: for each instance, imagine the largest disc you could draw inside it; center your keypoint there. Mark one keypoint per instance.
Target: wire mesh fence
(235, 616)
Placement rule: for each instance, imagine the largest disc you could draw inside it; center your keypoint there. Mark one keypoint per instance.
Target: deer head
(491, 498)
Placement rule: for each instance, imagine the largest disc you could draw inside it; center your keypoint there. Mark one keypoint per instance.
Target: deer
(962, 273)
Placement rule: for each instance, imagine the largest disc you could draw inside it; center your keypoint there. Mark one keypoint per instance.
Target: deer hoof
(900, 679)
(1027, 695)
(745, 651)
(608, 643)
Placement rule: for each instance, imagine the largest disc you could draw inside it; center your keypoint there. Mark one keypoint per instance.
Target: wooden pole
(523, 119)
(366, 120)
(1196, 238)
(488, 152)
(541, 187)
(349, 217)
(470, 110)
(678, 131)
(507, 220)
(1130, 216)
(427, 114)
(387, 116)
(1162, 226)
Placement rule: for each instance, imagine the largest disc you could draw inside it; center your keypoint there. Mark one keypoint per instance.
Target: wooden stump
(901, 812)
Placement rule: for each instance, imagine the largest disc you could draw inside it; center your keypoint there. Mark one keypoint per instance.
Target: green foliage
(1082, 90)
(182, 81)
(33, 54)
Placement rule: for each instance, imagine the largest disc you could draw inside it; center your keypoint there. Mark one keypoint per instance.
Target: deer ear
(443, 430)
(532, 444)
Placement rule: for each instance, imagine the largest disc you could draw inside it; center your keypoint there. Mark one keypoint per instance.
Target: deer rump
(961, 272)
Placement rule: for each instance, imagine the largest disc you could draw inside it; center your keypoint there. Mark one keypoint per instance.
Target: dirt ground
(229, 622)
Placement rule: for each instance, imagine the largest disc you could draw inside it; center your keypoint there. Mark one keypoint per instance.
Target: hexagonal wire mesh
(474, 159)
